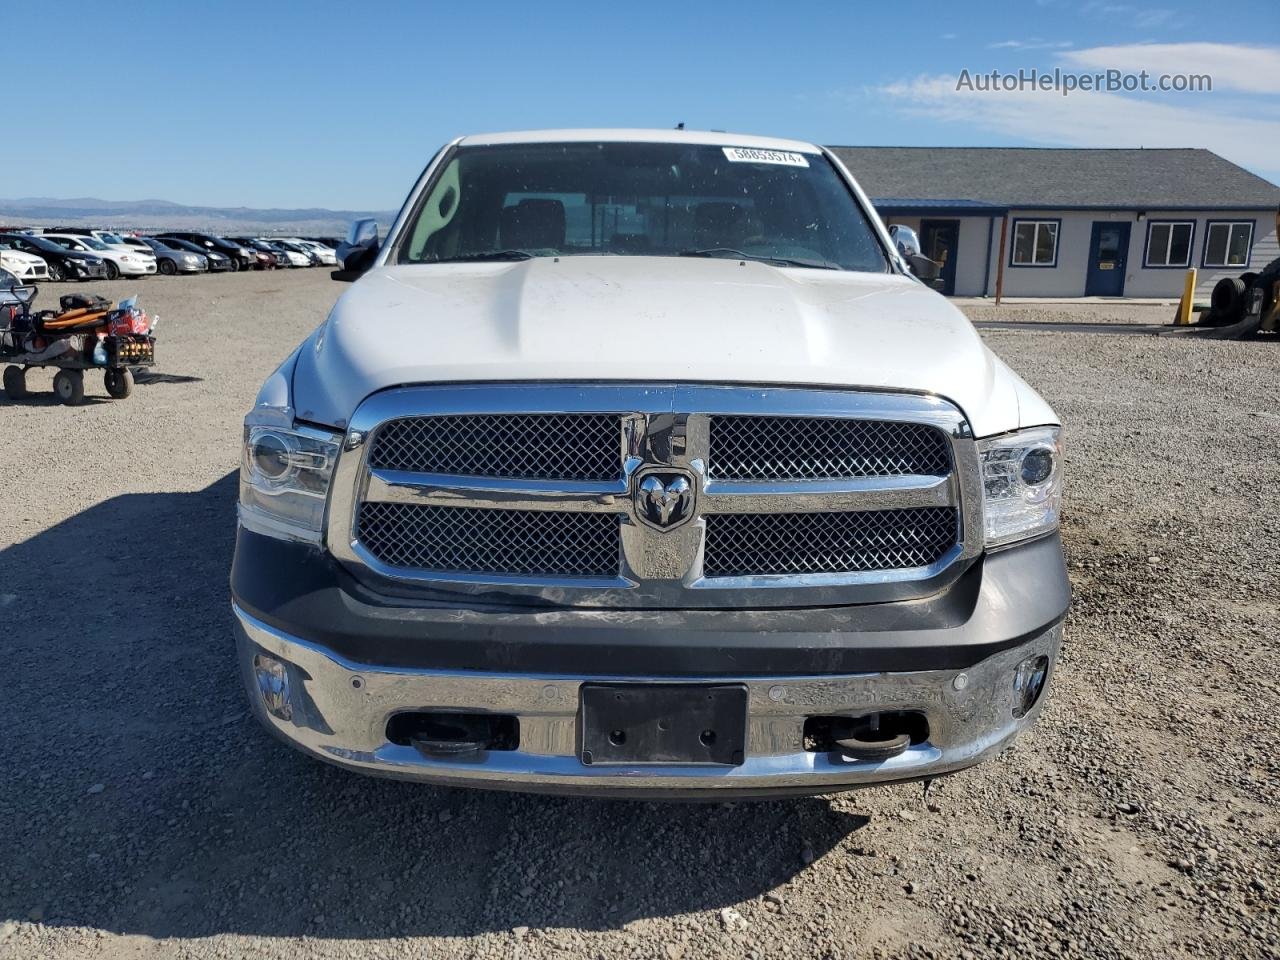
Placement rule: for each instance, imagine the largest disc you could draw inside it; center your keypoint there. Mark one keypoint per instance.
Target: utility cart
(88, 333)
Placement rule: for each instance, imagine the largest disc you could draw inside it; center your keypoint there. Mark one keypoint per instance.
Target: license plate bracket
(638, 723)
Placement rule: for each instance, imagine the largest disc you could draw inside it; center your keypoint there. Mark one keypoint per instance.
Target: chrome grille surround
(664, 427)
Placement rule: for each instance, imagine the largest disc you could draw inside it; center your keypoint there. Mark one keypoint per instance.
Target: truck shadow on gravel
(141, 797)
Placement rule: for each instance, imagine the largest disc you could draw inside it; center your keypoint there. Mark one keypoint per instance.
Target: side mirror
(927, 270)
(357, 253)
(905, 240)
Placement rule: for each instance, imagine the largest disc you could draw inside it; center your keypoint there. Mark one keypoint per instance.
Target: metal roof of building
(1030, 177)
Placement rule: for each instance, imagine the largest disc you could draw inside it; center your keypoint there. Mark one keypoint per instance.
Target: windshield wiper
(730, 252)
(487, 255)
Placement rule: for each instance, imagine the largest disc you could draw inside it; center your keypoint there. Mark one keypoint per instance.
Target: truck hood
(662, 319)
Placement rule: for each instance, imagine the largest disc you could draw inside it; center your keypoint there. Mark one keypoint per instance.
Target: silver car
(170, 259)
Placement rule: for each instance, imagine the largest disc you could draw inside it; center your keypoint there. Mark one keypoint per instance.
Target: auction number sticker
(751, 155)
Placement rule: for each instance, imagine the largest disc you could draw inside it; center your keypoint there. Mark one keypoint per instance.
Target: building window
(1035, 243)
(1169, 243)
(1228, 243)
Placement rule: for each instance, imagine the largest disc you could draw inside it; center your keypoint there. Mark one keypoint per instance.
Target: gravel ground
(1085, 312)
(143, 813)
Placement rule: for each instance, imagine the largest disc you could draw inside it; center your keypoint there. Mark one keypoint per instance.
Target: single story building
(1047, 222)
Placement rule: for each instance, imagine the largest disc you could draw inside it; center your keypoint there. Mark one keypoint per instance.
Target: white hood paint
(665, 319)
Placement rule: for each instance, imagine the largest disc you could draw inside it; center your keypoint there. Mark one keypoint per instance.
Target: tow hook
(447, 748)
(448, 735)
(857, 748)
(868, 739)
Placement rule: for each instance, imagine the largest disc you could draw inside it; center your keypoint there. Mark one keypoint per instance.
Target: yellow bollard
(1188, 295)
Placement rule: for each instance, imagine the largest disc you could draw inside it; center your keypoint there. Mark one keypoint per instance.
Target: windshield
(111, 238)
(641, 199)
(93, 243)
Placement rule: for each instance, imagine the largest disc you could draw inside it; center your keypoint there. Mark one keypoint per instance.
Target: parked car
(324, 255)
(15, 297)
(111, 239)
(170, 260)
(803, 539)
(122, 262)
(25, 266)
(218, 262)
(299, 256)
(8, 299)
(266, 257)
(292, 256)
(62, 263)
(239, 257)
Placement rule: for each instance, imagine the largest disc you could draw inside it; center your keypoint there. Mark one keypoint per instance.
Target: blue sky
(277, 103)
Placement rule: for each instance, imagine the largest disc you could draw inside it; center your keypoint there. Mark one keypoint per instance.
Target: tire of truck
(1227, 301)
(119, 382)
(15, 383)
(69, 387)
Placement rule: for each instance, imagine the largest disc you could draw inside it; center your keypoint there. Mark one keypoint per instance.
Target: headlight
(284, 479)
(1022, 484)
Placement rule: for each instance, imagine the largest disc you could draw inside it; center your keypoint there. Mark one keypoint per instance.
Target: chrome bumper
(338, 711)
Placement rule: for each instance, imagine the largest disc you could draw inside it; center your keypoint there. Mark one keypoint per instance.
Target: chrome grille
(822, 448)
(556, 446)
(798, 497)
(477, 540)
(744, 544)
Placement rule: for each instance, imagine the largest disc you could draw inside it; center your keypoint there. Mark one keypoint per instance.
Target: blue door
(938, 241)
(1108, 255)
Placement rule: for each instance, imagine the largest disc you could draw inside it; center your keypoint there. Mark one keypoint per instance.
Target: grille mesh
(745, 544)
(823, 448)
(478, 540)
(536, 446)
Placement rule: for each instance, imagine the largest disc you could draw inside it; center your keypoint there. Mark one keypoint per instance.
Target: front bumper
(355, 658)
(86, 271)
(339, 712)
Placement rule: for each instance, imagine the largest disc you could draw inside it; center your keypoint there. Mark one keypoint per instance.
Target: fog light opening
(273, 686)
(1028, 684)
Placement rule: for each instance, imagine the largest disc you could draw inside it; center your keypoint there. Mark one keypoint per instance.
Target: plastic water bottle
(100, 354)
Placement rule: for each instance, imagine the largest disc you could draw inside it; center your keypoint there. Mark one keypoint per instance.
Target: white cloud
(1249, 69)
(1035, 43)
(1143, 18)
(1090, 119)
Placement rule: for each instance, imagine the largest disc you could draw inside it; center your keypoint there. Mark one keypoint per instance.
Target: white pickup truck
(638, 463)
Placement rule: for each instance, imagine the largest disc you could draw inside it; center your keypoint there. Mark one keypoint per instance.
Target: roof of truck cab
(714, 138)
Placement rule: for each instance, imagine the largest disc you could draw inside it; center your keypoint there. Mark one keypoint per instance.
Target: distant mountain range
(158, 214)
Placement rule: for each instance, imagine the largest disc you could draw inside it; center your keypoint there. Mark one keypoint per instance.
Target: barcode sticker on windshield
(752, 155)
